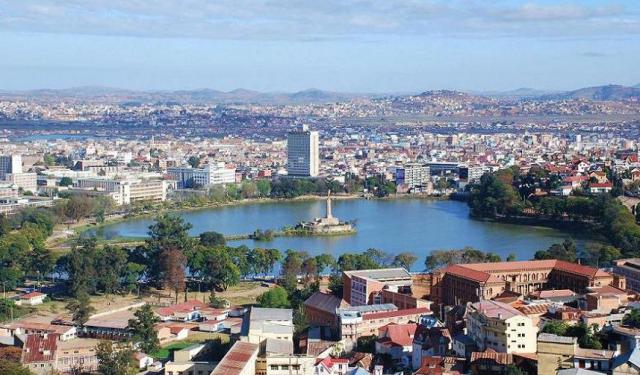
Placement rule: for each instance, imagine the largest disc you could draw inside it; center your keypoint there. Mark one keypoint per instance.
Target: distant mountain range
(608, 92)
(310, 96)
(108, 94)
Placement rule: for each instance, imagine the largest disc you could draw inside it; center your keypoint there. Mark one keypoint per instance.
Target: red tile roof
(31, 295)
(397, 334)
(490, 354)
(181, 307)
(39, 348)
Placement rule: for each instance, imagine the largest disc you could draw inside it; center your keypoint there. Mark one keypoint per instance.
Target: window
(274, 367)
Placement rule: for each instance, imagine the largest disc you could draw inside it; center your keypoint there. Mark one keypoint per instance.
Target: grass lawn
(166, 352)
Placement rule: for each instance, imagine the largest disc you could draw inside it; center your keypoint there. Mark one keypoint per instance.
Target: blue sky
(342, 45)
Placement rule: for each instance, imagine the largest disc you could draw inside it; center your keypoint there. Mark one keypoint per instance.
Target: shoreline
(83, 227)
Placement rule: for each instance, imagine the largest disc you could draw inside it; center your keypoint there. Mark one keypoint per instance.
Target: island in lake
(328, 225)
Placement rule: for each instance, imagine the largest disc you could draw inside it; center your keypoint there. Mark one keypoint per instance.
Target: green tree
(275, 297)
(110, 266)
(565, 251)
(212, 238)
(79, 207)
(66, 181)
(194, 161)
(79, 264)
(511, 257)
(405, 260)
(13, 368)
(367, 344)
(142, 329)
(215, 267)
(169, 232)
(632, 318)
(291, 268)
(264, 188)
(115, 359)
(81, 308)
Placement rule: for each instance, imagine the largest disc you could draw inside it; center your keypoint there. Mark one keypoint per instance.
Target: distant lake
(396, 225)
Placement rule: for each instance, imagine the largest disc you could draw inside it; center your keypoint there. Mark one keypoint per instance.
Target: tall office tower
(303, 156)
(10, 164)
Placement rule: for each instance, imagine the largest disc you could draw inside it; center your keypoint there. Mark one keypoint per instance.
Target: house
(599, 176)
(434, 341)
(558, 352)
(264, 323)
(438, 365)
(600, 188)
(26, 327)
(332, 366)
(168, 331)
(490, 362)
(627, 363)
(31, 299)
(181, 312)
(142, 360)
(39, 353)
(500, 327)
(396, 340)
(463, 345)
(320, 309)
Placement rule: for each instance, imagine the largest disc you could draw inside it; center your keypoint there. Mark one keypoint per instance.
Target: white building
(268, 323)
(10, 164)
(413, 176)
(211, 174)
(124, 191)
(498, 326)
(303, 155)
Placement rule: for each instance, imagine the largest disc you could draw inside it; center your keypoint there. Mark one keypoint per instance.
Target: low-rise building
(500, 327)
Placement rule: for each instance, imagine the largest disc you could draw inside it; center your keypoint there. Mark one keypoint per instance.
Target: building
(24, 181)
(303, 154)
(124, 192)
(630, 269)
(320, 309)
(396, 340)
(264, 323)
(462, 283)
(239, 360)
(366, 320)
(194, 359)
(414, 176)
(39, 353)
(210, 174)
(365, 287)
(31, 299)
(559, 353)
(10, 164)
(500, 327)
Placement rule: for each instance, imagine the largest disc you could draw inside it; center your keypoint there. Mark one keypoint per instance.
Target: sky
(371, 46)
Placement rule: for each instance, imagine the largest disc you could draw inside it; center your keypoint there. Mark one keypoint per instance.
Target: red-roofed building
(39, 353)
(397, 341)
(182, 312)
(239, 360)
(332, 366)
(31, 299)
(461, 283)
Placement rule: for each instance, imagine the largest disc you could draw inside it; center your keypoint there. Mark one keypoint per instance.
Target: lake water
(415, 225)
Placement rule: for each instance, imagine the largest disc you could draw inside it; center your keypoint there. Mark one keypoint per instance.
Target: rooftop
(236, 359)
(495, 309)
(384, 274)
(261, 313)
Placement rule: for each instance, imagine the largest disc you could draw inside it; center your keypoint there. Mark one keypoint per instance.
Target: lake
(394, 225)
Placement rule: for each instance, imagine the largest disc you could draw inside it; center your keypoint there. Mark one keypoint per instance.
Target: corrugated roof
(263, 313)
(236, 359)
(39, 348)
(324, 301)
(382, 274)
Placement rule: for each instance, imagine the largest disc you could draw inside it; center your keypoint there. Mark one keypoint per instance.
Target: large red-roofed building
(462, 283)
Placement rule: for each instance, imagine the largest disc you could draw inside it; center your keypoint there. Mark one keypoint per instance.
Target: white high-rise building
(303, 154)
(10, 164)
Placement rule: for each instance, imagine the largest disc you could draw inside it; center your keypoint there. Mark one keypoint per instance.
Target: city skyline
(337, 46)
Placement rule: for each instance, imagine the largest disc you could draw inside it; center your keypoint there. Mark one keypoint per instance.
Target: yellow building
(498, 326)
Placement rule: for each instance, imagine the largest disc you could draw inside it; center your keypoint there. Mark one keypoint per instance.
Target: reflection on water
(397, 225)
